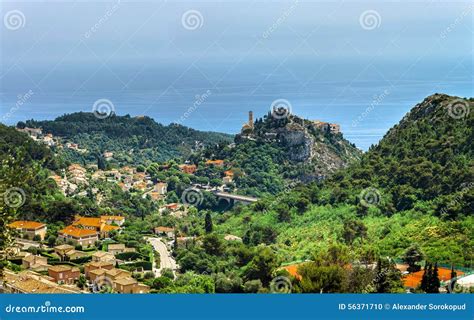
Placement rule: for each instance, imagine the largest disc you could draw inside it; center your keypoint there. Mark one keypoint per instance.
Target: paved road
(166, 260)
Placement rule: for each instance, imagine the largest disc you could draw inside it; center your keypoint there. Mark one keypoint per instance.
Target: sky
(362, 64)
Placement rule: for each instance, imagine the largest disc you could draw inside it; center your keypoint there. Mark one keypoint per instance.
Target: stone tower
(250, 119)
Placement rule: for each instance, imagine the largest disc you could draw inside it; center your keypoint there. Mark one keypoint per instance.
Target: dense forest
(133, 140)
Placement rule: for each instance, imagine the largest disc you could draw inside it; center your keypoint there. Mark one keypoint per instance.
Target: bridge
(235, 197)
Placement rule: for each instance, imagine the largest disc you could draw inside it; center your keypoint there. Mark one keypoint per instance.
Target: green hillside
(276, 153)
(415, 188)
(133, 140)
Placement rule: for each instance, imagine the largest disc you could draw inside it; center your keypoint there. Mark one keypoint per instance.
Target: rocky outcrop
(306, 143)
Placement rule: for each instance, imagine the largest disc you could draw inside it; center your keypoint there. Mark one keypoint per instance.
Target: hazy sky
(154, 57)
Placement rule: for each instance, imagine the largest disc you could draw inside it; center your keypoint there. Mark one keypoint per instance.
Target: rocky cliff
(313, 145)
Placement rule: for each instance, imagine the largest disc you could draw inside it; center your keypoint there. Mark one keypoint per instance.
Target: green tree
(434, 281)
(262, 265)
(253, 286)
(353, 229)
(413, 257)
(81, 282)
(425, 278)
(101, 163)
(51, 241)
(283, 212)
(318, 278)
(161, 283)
(387, 277)
(452, 284)
(208, 222)
(212, 244)
(15, 176)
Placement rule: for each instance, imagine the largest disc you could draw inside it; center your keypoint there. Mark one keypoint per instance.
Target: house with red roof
(29, 228)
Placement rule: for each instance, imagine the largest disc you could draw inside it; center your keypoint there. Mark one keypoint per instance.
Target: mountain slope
(415, 188)
(427, 156)
(13, 142)
(138, 140)
(273, 152)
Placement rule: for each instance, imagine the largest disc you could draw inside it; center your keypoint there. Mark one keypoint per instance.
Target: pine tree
(435, 283)
(452, 284)
(208, 223)
(424, 279)
(175, 244)
(101, 163)
(429, 278)
(380, 280)
(454, 274)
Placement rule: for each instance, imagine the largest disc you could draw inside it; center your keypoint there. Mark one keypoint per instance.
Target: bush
(51, 241)
(168, 273)
(160, 283)
(252, 286)
(126, 256)
(146, 265)
(51, 258)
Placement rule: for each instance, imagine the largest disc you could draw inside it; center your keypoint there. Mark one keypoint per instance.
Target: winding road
(166, 260)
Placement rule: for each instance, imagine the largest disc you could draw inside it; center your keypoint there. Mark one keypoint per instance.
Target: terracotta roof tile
(88, 222)
(24, 224)
(77, 232)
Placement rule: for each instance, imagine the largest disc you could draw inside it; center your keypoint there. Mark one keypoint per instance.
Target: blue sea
(320, 56)
(220, 100)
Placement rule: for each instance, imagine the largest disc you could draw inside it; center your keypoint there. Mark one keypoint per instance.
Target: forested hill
(428, 156)
(415, 189)
(275, 151)
(19, 145)
(133, 140)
